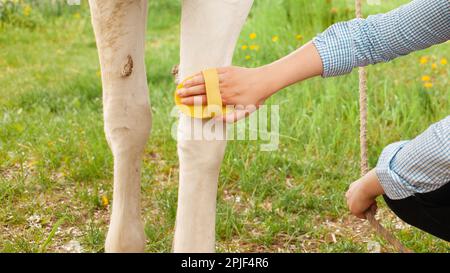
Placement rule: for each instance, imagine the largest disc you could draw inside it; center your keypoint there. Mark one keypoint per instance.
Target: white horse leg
(119, 27)
(209, 31)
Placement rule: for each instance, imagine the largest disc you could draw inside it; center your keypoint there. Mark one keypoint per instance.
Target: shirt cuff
(335, 47)
(395, 187)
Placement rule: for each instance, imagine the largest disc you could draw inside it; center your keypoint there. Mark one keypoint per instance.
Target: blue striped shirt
(407, 167)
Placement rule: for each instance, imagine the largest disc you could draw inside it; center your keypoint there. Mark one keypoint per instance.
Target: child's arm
(343, 46)
(251, 86)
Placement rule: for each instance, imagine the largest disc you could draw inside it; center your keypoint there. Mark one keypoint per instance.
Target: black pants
(428, 211)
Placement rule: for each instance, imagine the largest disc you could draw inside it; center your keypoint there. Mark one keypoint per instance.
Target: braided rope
(364, 165)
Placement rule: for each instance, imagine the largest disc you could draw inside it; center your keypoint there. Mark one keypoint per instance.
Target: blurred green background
(56, 168)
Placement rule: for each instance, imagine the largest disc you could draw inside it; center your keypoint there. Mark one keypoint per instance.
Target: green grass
(55, 165)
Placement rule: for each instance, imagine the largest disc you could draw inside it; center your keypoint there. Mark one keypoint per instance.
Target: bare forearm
(301, 64)
(373, 186)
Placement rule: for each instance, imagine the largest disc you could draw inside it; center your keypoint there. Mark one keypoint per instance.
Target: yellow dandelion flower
(77, 15)
(299, 37)
(244, 47)
(426, 78)
(105, 201)
(98, 73)
(254, 47)
(27, 10)
(275, 38)
(252, 35)
(444, 61)
(434, 66)
(428, 85)
(423, 60)
(248, 57)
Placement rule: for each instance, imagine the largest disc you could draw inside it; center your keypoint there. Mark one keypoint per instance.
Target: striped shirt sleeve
(383, 37)
(417, 166)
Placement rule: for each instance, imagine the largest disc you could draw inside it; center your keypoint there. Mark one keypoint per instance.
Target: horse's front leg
(119, 27)
(209, 31)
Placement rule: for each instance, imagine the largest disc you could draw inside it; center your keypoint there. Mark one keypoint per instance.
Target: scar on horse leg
(127, 67)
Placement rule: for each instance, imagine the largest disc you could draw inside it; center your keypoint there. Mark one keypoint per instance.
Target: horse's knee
(128, 135)
(194, 151)
(201, 154)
